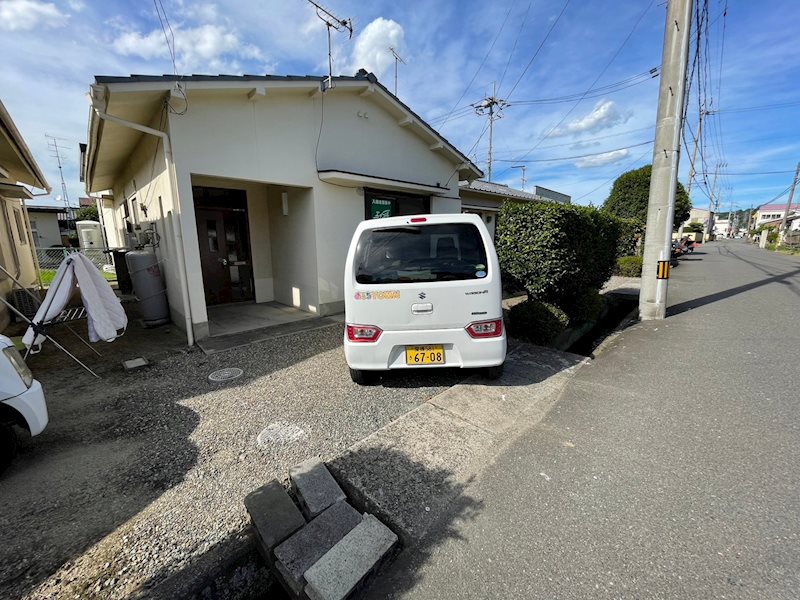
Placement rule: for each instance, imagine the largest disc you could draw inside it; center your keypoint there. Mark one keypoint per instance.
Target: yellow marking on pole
(662, 272)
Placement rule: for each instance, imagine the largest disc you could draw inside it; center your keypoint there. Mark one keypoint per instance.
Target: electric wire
(627, 168)
(485, 58)
(602, 72)
(535, 54)
(538, 160)
(514, 47)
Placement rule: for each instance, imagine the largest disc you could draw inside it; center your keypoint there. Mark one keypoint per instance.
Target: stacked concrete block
(328, 557)
(315, 487)
(303, 549)
(340, 571)
(274, 516)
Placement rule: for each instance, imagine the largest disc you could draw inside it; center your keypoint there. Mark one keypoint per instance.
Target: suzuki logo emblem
(422, 295)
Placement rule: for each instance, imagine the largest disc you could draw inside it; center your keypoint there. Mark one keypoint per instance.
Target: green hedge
(536, 322)
(584, 307)
(556, 251)
(631, 237)
(629, 266)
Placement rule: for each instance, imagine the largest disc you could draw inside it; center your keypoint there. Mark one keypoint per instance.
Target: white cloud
(76, 5)
(25, 15)
(203, 48)
(604, 115)
(371, 50)
(601, 160)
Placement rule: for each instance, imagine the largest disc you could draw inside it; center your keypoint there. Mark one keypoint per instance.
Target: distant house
(485, 199)
(772, 215)
(17, 169)
(253, 185)
(46, 222)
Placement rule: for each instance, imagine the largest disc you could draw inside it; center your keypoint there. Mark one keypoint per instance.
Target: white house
(17, 169)
(45, 226)
(253, 185)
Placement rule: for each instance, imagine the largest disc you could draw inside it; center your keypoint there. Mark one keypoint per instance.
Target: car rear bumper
(459, 348)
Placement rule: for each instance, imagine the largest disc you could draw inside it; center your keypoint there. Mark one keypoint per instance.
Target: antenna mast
(524, 168)
(52, 143)
(332, 22)
(397, 58)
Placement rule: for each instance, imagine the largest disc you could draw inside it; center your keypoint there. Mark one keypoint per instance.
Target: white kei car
(22, 401)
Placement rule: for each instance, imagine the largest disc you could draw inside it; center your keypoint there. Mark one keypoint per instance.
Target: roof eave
(37, 179)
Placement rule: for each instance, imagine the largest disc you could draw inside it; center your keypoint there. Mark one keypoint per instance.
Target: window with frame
(23, 239)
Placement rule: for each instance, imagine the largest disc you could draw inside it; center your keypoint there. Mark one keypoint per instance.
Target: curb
(611, 337)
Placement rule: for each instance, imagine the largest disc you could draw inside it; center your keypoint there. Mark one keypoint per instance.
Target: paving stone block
(315, 487)
(297, 554)
(350, 561)
(275, 517)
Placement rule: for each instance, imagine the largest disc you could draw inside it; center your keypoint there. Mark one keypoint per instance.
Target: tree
(87, 213)
(630, 193)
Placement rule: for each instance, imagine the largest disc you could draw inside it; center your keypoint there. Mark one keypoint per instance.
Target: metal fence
(51, 258)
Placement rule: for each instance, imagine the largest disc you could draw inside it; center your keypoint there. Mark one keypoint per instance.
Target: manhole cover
(227, 374)
(279, 432)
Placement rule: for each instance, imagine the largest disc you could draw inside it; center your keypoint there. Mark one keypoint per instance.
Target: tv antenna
(52, 144)
(332, 22)
(397, 59)
(524, 168)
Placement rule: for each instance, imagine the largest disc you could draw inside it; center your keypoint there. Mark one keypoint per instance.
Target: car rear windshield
(413, 253)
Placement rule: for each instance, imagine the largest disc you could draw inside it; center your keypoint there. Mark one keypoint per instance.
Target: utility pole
(524, 168)
(397, 59)
(712, 204)
(492, 107)
(666, 156)
(694, 153)
(789, 204)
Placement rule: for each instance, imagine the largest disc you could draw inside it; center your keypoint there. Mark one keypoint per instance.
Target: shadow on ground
(112, 447)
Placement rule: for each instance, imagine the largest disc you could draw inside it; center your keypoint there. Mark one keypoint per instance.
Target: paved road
(668, 469)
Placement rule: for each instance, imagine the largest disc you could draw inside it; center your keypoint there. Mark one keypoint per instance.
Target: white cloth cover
(104, 311)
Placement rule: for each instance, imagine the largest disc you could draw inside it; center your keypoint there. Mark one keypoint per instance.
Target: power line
(584, 141)
(535, 54)
(607, 181)
(741, 109)
(599, 91)
(602, 72)
(514, 47)
(759, 173)
(486, 56)
(538, 160)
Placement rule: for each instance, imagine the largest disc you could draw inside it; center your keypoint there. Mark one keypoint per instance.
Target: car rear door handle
(422, 309)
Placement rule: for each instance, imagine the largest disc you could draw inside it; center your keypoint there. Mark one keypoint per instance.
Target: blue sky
(52, 50)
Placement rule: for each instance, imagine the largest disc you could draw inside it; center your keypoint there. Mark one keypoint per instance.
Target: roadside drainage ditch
(617, 310)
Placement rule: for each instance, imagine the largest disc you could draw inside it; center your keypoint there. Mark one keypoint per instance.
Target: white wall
(294, 249)
(46, 226)
(143, 176)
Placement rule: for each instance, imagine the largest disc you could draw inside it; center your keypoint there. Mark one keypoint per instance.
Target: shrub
(631, 237)
(629, 266)
(556, 251)
(695, 228)
(584, 307)
(536, 322)
(772, 237)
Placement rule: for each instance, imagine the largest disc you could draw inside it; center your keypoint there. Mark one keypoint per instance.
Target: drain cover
(227, 374)
(279, 432)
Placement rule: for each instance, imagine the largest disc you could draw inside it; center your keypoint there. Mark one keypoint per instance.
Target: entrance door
(222, 233)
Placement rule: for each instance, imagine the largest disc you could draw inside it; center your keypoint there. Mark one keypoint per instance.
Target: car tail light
(363, 333)
(485, 329)
(418, 219)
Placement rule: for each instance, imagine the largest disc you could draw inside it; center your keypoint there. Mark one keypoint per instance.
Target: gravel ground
(139, 477)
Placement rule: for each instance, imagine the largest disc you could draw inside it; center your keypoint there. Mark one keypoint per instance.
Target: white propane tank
(90, 236)
(148, 285)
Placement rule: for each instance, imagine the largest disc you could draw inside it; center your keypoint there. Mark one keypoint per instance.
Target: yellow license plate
(425, 355)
